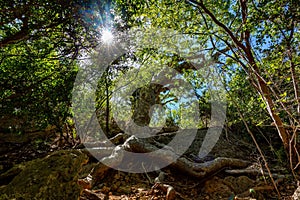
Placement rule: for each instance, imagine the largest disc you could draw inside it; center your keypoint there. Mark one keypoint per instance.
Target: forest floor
(120, 185)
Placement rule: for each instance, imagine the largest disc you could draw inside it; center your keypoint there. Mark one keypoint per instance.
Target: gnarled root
(136, 145)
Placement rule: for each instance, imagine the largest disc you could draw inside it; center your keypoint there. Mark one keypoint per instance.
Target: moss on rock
(53, 177)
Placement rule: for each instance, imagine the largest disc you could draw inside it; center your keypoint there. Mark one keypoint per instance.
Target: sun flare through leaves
(107, 36)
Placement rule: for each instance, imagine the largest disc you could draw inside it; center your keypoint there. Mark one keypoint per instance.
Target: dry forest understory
(232, 170)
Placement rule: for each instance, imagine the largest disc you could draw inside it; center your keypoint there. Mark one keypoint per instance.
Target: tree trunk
(266, 94)
(143, 99)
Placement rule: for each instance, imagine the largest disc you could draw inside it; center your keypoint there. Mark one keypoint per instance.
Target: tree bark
(198, 170)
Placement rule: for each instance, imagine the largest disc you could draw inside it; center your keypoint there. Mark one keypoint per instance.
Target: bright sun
(107, 37)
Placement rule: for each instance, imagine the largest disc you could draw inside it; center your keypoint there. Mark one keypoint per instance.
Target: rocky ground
(120, 185)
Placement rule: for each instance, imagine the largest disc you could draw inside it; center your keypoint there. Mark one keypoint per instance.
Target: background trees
(254, 44)
(259, 37)
(40, 41)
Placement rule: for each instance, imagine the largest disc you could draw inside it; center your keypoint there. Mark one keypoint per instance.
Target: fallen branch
(252, 172)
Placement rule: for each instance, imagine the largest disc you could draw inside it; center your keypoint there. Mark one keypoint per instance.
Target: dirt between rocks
(121, 185)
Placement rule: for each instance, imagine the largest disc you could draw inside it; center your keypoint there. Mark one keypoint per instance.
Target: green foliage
(274, 39)
(39, 41)
(34, 91)
(248, 102)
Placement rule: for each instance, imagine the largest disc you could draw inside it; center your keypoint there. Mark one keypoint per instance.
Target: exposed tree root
(167, 189)
(90, 195)
(134, 144)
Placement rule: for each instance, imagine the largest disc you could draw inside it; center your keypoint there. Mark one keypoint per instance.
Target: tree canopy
(260, 37)
(40, 42)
